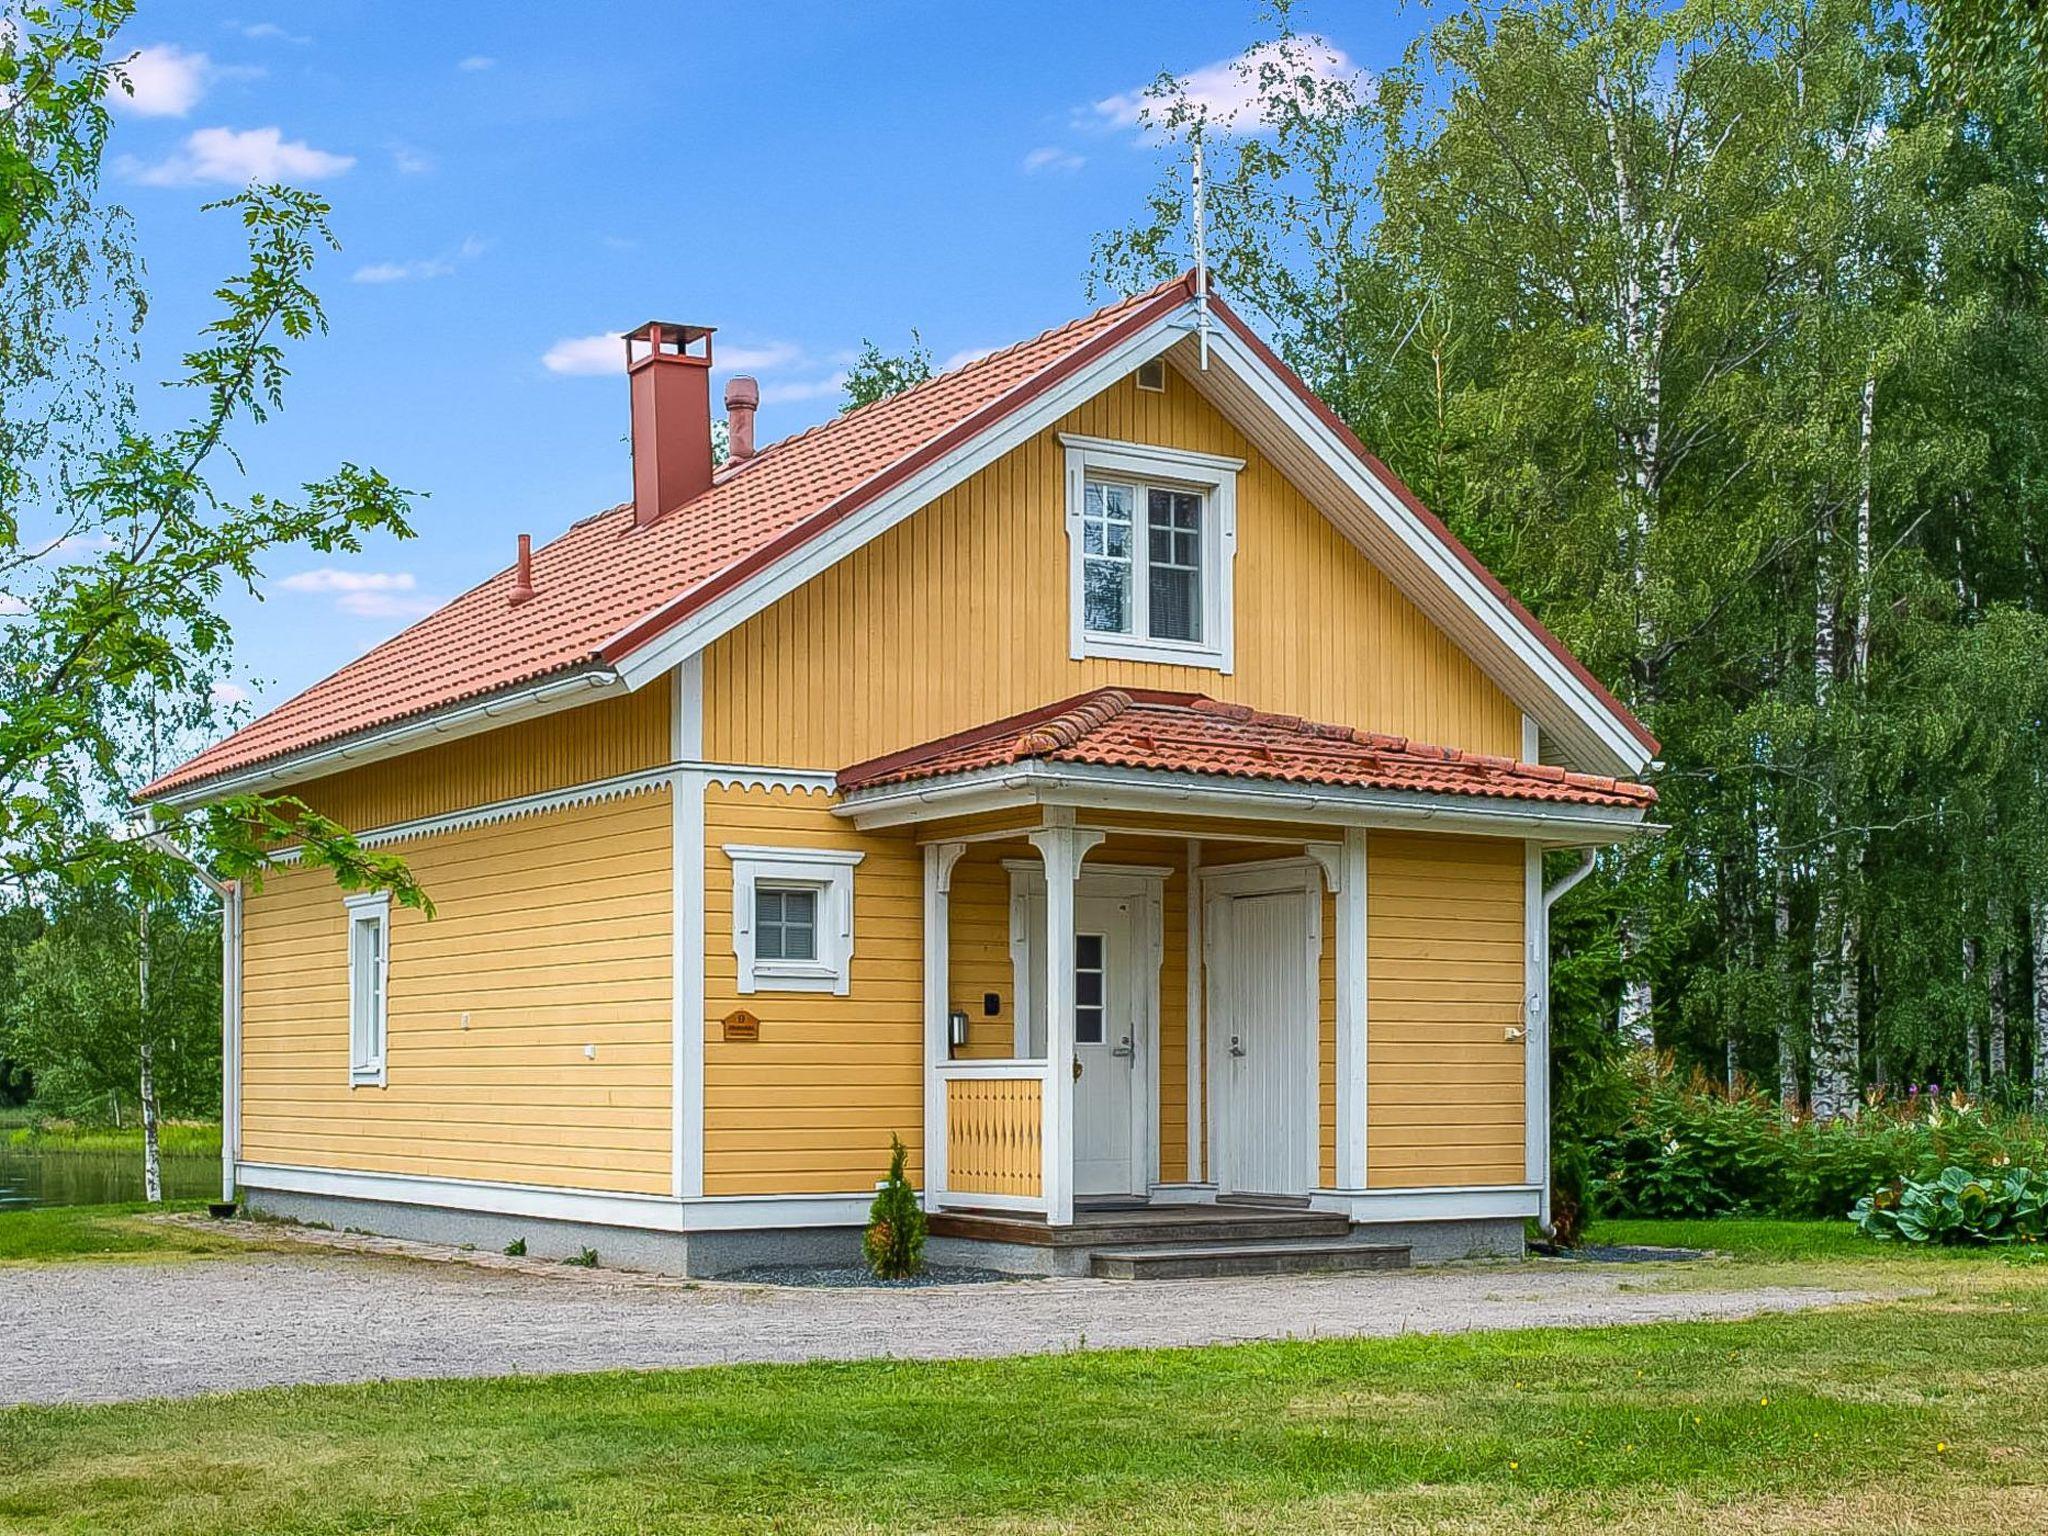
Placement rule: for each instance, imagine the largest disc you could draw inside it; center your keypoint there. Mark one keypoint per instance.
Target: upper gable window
(1152, 535)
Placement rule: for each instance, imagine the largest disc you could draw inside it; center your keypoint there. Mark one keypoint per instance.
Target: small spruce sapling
(894, 1243)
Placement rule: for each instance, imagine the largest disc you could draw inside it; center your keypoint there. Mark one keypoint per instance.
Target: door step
(1206, 1226)
(1190, 1262)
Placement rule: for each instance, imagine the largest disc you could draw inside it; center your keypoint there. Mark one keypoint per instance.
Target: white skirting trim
(1450, 1203)
(653, 1213)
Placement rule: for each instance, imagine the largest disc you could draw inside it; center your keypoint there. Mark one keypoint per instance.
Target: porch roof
(1134, 728)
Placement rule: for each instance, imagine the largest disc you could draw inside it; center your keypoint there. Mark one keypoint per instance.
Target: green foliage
(893, 1244)
(1958, 1206)
(1720, 332)
(76, 1018)
(117, 543)
(876, 375)
(1690, 1149)
(583, 1258)
(516, 1249)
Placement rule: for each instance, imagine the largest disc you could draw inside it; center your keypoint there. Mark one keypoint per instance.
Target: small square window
(1152, 376)
(792, 918)
(785, 922)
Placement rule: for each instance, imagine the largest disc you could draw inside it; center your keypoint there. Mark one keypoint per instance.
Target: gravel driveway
(109, 1331)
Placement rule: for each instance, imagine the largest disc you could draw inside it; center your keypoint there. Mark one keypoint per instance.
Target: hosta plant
(2007, 1205)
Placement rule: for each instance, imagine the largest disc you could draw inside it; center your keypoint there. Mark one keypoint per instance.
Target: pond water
(43, 1175)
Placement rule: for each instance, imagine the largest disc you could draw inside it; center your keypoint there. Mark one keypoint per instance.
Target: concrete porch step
(1187, 1261)
(1158, 1226)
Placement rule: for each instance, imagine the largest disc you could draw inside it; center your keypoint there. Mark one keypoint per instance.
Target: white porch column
(1352, 1129)
(939, 859)
(1062, 848)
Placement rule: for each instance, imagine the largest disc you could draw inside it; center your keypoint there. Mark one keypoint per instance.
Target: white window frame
(1143, 465)
(828, 872)
(370, 908)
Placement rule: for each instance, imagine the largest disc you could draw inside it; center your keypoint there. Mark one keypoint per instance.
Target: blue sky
(513, 180)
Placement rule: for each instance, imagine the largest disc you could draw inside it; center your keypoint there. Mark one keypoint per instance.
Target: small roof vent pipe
(522, 572)
(742, 398)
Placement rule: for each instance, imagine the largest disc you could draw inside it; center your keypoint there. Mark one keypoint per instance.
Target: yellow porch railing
(993, 1140)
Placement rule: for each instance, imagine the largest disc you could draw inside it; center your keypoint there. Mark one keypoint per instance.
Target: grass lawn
(196, 1138)
(1919, 1415)
(62, 1232)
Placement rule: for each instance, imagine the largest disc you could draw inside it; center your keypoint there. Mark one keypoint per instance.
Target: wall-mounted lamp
(956, 1028)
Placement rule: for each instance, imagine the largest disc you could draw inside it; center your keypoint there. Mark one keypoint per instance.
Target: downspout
(230, 894)
(1551, 897)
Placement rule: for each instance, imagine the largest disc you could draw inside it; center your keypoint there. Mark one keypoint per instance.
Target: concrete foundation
(701, 1254)
(714, 1253)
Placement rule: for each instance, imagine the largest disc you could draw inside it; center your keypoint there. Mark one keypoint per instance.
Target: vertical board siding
(552, 934)
(979, 948)
(958, 615)
(1444, 947)
(993, 1136)
(573, 746)
(808, 1107)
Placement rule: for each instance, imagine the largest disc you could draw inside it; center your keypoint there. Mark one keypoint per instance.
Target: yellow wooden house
(1091, 766)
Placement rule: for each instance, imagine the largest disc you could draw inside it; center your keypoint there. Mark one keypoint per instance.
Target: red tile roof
(605, 588)
(1191, 733)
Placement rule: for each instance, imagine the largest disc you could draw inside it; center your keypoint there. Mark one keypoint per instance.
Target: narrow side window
(369, 969)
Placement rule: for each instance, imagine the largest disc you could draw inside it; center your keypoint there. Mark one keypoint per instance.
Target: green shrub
(1688, 1148)
(894, 1242)
(1958, 1206)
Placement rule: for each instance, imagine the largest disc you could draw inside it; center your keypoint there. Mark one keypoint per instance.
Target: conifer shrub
(894, 1242)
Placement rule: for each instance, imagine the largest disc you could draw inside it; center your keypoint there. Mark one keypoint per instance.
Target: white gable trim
(1421, 564)
(1425, 569)
(730, 609)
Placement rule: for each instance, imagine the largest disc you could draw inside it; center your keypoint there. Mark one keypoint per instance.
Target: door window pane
(1173, 521)
(785, 923)
(1088, 980)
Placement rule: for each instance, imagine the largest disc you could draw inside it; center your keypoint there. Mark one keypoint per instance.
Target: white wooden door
(1105, 1046)
(1265, 1029)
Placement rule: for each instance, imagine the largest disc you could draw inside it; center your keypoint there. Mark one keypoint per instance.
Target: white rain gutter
(230, 894)
(1551, 897)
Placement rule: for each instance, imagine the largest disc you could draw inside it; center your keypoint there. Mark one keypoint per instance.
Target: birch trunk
(152, 1156)
(2040, 957)
(1788, 1031)
(1973, 1035)
(1994, 1036)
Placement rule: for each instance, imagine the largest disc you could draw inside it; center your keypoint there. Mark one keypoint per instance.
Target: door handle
(1236, 1047)
(1123, 1048)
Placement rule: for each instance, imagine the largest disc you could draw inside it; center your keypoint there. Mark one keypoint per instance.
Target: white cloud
(239, 156)
(12, 607)
(270, 31)
(477, 61)
(164, 80)
(422, 269)
(365, 594)
(385, 605)
(963, 357)
(765, 358)
(1052, 158)
(408, 161)
(228, 694)
(1227, 92)
(794, 391)
(580, 355)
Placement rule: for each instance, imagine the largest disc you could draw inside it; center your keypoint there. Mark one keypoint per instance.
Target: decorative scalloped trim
(646, 781)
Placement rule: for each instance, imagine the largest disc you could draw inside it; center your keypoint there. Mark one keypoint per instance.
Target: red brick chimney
(742, 395)
(671, 387)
